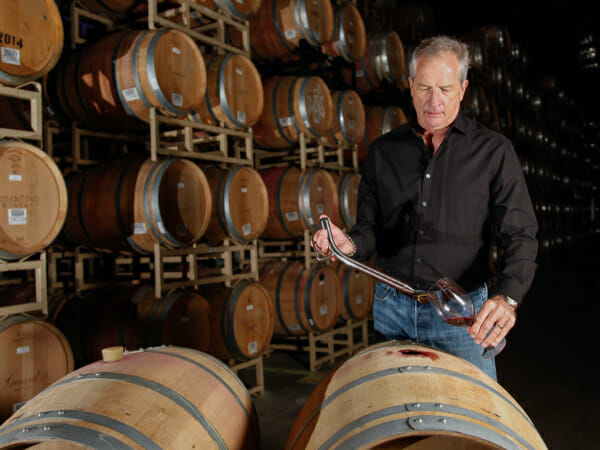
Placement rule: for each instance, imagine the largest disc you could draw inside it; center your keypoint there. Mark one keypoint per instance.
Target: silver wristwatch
(511, 301)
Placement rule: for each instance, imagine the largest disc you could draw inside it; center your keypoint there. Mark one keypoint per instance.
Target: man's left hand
(495, 315)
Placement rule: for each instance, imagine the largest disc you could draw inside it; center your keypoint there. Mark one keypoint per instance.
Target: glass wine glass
(456, 307)
(449, 300)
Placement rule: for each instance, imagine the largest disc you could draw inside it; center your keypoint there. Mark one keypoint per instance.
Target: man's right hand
(321, 240)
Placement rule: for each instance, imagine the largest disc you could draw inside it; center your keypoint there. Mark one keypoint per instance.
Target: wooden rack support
(257, 389)
(327, 346)
(287, 248)
(37, 264)
(212, 34)
(192, 275)
(188, 139)
(31, 91)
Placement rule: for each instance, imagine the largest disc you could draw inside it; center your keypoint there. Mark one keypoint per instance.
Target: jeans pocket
(383, 292)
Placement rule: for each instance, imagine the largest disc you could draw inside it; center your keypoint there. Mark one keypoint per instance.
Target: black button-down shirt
(433, 216)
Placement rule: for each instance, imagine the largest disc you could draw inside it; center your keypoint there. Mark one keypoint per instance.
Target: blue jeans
(399, 317)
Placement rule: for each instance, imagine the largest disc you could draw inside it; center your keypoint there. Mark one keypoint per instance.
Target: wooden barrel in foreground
(33, 355)
(159, 398)
(32, 40)
(243, 318)
(33, 199)
(305, 300)
(240, 204)
(395, 395)
(358, 292)
(349, 36)
(234, 94)
(293, 105)
(131, 204)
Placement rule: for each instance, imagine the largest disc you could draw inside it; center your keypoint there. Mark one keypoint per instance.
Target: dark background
(549, 32)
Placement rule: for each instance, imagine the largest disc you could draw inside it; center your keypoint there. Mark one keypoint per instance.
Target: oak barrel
(305, 300)
(112, 83)
(317, 196)
(283, 185)
(383, 60)
(278, 26)
(131, 204)
(31, 39)
(242, 9)
(240, 204)
(349, 37)
(180, 317)
(349, 118)
(380, 120)
(347, 186)
(357, 292)
(113, 6)
(158, 398)
(33, 199)
(395, 395)
(234, 93)
(293, 105)
(243, 318)
(33, 355)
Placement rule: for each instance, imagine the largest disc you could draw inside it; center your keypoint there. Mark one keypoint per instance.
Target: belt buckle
(422, 298)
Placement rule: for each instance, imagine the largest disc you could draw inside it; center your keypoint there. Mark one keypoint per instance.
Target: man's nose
(435, 97)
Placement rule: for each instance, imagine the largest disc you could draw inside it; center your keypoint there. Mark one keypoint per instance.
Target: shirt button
(419, 260)
(424, 203)
(421, 232)
(428, 176)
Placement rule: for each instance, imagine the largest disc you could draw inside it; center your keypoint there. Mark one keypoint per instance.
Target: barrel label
(17, 216)
(246, 229)
(249, 307)
(291, 216)
(285, 121)
(177, 99)
(290, 34)
(351, 124)
(11, 39)
(320, 208)
(323, 310)
(316, 106)
(176, 51)
(22, 350)
(252, 347)
(15, 177)
(241, 116)
(11, 56)
(131, 94)
(139, 228)
(294, 327)
(358, 299)
(241, 2)
(360, 73)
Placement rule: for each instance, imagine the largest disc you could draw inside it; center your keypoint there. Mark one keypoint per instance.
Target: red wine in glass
(456, 307)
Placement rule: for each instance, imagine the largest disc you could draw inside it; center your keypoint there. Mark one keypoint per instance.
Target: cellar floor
(550, 365)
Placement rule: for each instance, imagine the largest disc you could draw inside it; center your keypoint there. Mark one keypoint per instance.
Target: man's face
(436, 91)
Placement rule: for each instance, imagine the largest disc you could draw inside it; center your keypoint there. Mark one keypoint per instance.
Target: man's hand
(495, 315)
(321, 241)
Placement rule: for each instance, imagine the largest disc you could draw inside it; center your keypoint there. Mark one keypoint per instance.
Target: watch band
(511, 301)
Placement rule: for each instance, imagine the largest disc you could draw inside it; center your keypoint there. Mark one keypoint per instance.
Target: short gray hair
(438, 45)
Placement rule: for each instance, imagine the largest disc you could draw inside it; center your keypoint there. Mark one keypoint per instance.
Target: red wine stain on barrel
(424, 354)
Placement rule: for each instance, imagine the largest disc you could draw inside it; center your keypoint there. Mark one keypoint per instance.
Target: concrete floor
(550, 365)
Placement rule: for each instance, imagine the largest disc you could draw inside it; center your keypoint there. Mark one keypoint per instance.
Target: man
(433, 195)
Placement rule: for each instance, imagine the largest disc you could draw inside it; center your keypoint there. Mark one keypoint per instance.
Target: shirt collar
(460, 124)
